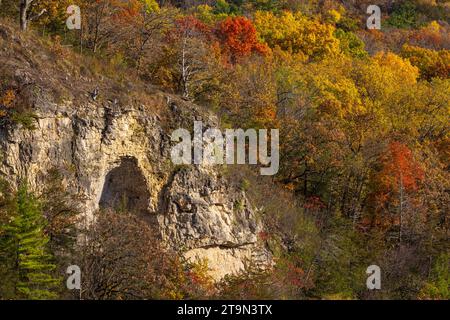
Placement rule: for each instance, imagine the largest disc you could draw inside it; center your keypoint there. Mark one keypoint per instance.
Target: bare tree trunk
(24, 6)
(184, 71)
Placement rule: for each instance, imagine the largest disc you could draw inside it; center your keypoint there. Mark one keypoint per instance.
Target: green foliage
(340, 264)
(222, 7)
(209, 15)
(439, 284)
(350, 44)
(405, 15)
(267, 5)
(26, 118)
(348, 24)
(363, 117)
(7, 207)
(26, 246)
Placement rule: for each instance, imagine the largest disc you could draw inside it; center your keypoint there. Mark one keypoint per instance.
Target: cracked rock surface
(109, 152)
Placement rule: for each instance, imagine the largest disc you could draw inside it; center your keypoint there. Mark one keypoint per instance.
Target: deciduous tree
(239, 39)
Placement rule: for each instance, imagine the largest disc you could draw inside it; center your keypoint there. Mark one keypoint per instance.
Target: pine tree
(26, 242)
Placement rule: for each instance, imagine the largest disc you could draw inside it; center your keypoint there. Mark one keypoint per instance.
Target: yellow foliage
(333, 16)
(205, 13)
(400, 70)
(55, 15)
(296, 33)
(432, 27)
(431, 63)
(8, 98)
(151, 5)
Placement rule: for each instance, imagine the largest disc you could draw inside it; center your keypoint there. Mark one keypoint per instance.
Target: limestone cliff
(117, 146)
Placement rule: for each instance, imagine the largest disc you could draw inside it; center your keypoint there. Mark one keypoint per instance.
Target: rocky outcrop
(111, 153)
(213, 221)
(114, 149)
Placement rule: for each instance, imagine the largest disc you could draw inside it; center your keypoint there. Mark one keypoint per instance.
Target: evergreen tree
(26, 246)
(7, 206)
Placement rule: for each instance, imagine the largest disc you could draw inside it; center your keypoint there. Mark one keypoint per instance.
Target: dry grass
(59, 73)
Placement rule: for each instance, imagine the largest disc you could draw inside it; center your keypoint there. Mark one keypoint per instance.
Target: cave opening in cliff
(125, 188)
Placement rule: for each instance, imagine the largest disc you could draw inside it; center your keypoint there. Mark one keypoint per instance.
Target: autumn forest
(363, 116)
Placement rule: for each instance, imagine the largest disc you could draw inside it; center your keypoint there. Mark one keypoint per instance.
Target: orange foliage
(191, 24)
(400, 170)
(8, 98)
(432, 35)
(430, 62)
(239, 38)
(296, 276)
(126, 12)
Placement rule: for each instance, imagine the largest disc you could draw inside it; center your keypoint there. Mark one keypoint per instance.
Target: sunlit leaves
(238, 38)
(296, 33)
(400, 169)
(431, 63)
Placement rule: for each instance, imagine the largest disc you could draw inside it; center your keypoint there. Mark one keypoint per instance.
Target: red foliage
(263, 236)
(125, 12)
(296, 276)
(400, 170)
(314, 204)
(191, 24)
(189, 27)
(400, 174)
(238, 38)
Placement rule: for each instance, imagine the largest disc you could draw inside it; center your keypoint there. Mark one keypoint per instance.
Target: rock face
(114, 155)
(114, 150)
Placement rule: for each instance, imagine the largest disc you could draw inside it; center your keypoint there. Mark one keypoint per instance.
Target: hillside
(359, 139)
